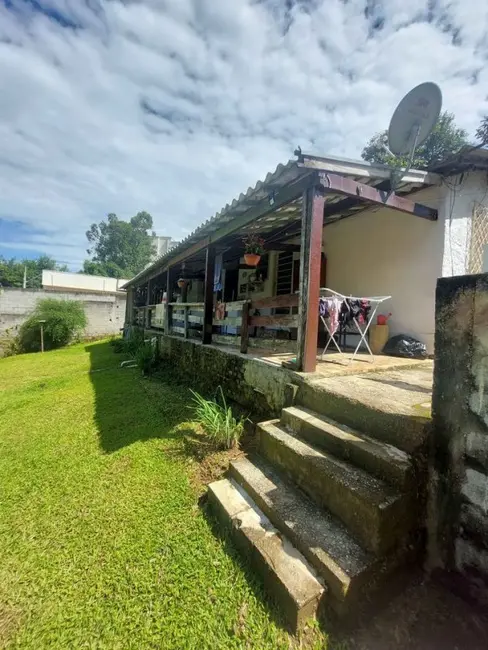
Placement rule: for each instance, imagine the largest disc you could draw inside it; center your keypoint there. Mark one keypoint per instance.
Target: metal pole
(42, 337)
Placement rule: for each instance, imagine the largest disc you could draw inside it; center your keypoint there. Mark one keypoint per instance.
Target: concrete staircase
(324, 512)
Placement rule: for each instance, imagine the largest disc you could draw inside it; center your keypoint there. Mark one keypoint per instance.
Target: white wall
(80, 282)
(105, 312)
(385, 252)
(463, 193)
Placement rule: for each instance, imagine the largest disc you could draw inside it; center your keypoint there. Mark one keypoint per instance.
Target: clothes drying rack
(374, 301)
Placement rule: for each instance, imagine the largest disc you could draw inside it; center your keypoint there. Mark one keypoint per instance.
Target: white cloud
(176, 106)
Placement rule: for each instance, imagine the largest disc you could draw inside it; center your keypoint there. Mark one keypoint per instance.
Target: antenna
(411, 124)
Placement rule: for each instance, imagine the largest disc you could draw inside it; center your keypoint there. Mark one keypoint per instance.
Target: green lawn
(102, 541)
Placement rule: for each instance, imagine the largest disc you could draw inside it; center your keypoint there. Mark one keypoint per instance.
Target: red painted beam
(336, 184)
(310, 263)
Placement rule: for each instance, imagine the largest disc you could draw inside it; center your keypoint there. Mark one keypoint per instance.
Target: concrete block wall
(458, 482)
(105, 312)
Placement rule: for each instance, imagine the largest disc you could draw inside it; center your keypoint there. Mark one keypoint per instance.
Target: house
(353, 236)
(332, 503)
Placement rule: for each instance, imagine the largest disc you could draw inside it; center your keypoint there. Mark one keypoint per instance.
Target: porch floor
(391, 384)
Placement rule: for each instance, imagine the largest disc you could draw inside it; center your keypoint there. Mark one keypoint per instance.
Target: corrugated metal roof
(282, 176)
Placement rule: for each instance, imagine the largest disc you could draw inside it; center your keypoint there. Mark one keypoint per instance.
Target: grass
(102, 541)
(217, 419)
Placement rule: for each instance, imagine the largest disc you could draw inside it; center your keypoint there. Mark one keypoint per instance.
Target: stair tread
(323, 539)
(295, 579)
(368, 487)
(349, 436)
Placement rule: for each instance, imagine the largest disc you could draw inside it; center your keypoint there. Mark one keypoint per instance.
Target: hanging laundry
(354, 309)
(330, 308)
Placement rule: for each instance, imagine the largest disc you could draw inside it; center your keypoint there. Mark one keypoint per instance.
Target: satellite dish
(411, 124)
(414, 118)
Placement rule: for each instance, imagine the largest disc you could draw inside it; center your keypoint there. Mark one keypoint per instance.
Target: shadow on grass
(131, 408)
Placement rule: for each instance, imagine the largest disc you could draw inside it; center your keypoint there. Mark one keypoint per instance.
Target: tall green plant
(64, 320)
(217, 420)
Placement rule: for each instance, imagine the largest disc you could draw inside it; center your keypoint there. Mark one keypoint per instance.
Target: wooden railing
(273, 322)
(240, 325)
(227, 329)
(185, 319)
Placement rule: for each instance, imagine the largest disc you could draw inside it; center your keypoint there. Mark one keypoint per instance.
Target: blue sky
(176, 106)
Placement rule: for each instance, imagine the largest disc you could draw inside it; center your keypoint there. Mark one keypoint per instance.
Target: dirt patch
(424, 617)
(206, 463)
(9, 622)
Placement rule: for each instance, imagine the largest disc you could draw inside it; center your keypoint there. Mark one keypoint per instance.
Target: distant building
(161, 246)
(61, 281)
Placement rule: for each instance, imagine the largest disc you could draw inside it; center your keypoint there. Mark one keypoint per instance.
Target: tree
(12, 271)
(482, 130)
(446, 138)
(119, 248)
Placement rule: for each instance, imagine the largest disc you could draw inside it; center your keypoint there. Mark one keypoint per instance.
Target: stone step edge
(287, 574)
(338, 579)
(374, 450)
(386, 508)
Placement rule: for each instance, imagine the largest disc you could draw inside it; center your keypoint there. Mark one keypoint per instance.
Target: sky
(177, 106)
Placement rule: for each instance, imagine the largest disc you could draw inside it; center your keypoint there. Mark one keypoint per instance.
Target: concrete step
(377, 514)
(287, 575)
(324, 541)
(366, 404)
(378, 458)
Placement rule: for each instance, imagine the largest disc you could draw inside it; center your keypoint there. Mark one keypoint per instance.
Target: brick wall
(105, 312)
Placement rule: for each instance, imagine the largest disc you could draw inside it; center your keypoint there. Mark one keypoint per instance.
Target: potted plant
(253, 249)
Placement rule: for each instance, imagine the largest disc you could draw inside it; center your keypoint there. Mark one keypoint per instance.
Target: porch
(204, 291)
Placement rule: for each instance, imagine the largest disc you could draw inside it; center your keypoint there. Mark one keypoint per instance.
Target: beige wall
(390, 253)
(382, 252)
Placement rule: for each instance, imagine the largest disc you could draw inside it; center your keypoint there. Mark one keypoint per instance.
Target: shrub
(129, 344)
(217, 420)
(146, 357)
(64, 321)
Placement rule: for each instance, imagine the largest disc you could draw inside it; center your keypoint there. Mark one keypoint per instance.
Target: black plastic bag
(403, 345)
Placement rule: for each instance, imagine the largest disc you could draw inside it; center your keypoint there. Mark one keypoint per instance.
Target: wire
(455, 188)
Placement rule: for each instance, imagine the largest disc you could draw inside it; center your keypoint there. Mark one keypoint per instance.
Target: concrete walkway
(407, 390)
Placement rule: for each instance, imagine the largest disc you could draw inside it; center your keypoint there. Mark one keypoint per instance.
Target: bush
(217, 420)
(130, 343)
(64, 321)
(146, 357)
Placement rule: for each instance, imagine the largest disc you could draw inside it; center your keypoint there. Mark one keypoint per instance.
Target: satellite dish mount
(411, 124)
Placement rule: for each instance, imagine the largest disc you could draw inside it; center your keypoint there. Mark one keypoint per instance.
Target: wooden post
(168, 300)
(169, 318)
(185, 317)
(129, 307)
(208, 296)
(310, 257)
(184, 293)
(147, 317)
(245, 328)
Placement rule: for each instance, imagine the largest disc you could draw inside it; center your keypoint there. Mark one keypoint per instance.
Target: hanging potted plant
(253, 249)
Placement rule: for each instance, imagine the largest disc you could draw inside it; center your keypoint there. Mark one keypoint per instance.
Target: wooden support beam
(273, 322)
(167, 314)
(285, 300)
(308, 304)
(147, 313)
(208, 295)
(245, 328)
(336, 184)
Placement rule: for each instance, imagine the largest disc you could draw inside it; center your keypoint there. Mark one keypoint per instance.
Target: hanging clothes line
(338, 311)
